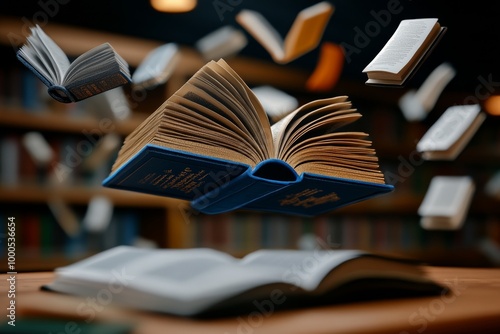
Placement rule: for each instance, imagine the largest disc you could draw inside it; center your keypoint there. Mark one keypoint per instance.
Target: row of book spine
(38, 235)
(67, 166)
(242, 232)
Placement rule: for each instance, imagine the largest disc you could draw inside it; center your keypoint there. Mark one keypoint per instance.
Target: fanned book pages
(97, 70)
(211, 143)
(405, 51)
(207, 282)
(304, 35)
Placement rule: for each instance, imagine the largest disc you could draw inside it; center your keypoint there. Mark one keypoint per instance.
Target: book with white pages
(449, 135)
(446, 202)
(202, 281)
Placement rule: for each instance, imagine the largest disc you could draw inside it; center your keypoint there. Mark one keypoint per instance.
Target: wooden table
(472, 307)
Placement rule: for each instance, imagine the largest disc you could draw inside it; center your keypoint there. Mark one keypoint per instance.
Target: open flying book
(446, 202)
(96, 71)
(224, 42)
(202, 282)
(449, 135)
(404, 52)
(211, 143)
(304, 35)
(157, 67)
(416, 104)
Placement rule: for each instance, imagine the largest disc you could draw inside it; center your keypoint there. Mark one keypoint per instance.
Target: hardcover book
(446, 202)
(211, 143)
(97, 70)
(405, 51)
(451, 133)
(206, 282)
(304, 35)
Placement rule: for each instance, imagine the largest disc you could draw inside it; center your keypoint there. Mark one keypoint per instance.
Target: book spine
(85, 89)
(246, 188)
(61, 94)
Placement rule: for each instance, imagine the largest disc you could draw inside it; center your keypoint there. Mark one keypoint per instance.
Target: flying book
(416, 104)
(449, 135)
(97, 70)
(221, 43)
(404, 52)
(157, 67)
(446, 202)
(304, 35)
(276, 103)
(328, 69)
(211, 143)
(206, 282)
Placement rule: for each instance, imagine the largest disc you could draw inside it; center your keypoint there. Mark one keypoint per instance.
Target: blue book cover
(216, 186)
(211, 143)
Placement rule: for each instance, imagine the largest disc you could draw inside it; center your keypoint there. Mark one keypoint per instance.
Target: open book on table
(211, 143)
(304, 35)
(201, 281)
(405, 51)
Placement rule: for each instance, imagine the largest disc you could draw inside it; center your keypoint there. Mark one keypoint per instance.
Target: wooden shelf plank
(76, 41)
(50, 121)
(82, 195)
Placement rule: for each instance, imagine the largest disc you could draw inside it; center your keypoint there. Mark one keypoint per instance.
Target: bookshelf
(387, 224)
(162, 220)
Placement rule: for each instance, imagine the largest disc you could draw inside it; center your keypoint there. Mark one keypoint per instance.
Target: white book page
(448, 128)
(275, 102)
(447, 196)
(155, 63)
(305, 269)
(401, 47)
(221, 43)
(58, 59)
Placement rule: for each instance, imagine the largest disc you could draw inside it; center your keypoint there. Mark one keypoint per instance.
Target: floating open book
(449, 135)
(404, 52)
(191, 282)
(94, 72)
(304, 35)
(446, 202)
(211, 143)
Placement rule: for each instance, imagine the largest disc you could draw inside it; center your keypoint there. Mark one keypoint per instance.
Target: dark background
(471, 44)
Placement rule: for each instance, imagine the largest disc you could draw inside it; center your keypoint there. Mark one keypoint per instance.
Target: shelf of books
(52, 150)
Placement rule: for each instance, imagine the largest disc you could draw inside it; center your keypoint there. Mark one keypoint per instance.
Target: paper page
(402, 46)
(415, 105)
(280, 128)
(305, 269)
(264, 128)
(221, 43)
(446, 202)
(138, 261)
(448, 128)
(98, 59)
(275, 102)
(158, 65)
(59, 60)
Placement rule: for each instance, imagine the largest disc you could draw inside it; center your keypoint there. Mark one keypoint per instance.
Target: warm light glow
(173, 6)
(492, 105)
